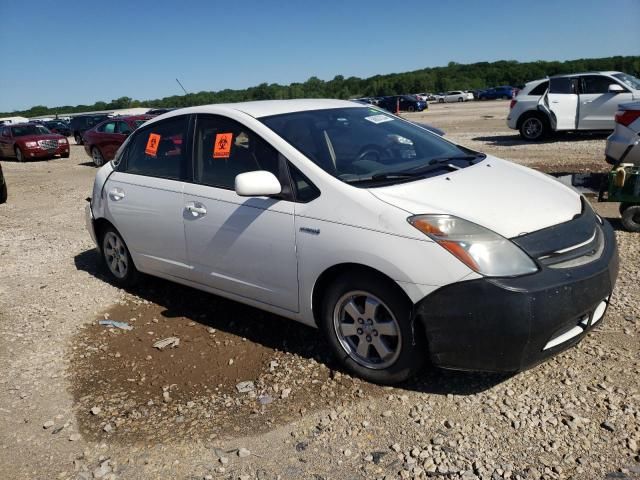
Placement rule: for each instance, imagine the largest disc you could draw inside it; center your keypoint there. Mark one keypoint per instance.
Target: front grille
(570, 244)
(48, 144)
(576, 255)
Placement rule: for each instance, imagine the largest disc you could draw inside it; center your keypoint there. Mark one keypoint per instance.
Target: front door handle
(116, 194)
(196, 209)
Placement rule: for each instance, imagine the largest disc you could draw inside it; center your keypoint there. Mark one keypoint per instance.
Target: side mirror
(259, 183)
(615, 88)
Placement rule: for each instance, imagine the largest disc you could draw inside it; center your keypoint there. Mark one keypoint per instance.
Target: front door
(561, 101)
(598, 106)
(145, 199)
(240, 245)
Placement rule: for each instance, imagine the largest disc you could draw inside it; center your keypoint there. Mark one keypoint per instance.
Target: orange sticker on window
(222, 146)
(152, 144)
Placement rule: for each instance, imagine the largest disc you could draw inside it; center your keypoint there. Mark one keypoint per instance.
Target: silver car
(623, 145)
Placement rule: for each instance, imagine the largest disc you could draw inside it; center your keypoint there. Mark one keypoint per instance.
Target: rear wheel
(98, 160)
(19, 154)
(631, 218)
(460, 99)
(117, 258)
(411, 108)
(534, 127)
(368, 324)
(441, 100)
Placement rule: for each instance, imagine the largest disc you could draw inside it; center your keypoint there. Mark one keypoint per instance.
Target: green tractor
(622, 185)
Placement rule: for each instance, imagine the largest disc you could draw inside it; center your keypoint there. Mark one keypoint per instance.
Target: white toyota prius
(399, 245)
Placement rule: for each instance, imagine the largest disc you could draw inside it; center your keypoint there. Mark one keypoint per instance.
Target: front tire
(19, 154)
(367, 321)
(117, 259)
(3, 192)
(460, 99)
(98, 159)
(631, 218)
(534, 128)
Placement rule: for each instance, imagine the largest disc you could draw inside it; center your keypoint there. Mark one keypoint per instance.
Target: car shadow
(273, 331)
(616, 223)
(516, 140)
(87, 164)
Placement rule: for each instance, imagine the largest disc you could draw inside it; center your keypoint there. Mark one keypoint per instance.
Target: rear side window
(563, 85)
(123, 127)
(595, 84)
(159, 150)
(225, 148)
(540, 89)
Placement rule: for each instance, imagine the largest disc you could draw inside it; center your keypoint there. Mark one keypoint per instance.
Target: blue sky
(71, 52)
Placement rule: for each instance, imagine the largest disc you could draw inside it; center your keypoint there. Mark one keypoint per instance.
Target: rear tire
(367, 321)
(631, 218)
(460, 99)
(441, 100)
(117, 259)
(19, 154)
(534, 127)
(98, 159)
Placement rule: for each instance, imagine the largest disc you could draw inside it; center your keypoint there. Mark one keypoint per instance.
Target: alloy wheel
(367, 330)
(115, 254)
(532, 128)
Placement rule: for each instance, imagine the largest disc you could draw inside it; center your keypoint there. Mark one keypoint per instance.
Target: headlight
(62, 141)
(480, 249)
(30, 144)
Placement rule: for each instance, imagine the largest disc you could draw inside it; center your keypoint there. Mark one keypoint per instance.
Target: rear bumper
(510, 324)
(88, 217)
(623, 146)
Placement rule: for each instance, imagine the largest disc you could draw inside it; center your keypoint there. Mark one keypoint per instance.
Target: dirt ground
(80, 400)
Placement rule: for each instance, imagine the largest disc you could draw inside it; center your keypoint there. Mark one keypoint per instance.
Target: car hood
(507, 198)
(35, 138)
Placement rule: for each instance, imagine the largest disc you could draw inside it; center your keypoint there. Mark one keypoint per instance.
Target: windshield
(628, 80)
(28, 130)
(359, 143)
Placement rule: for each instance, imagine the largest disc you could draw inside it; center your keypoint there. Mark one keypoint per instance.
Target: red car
(31, 140)
(103, 140)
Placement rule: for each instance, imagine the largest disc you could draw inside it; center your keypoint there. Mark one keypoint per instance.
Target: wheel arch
(326, 277)
(532, 113)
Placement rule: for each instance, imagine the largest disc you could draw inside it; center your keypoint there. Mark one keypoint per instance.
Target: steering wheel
(374, 153)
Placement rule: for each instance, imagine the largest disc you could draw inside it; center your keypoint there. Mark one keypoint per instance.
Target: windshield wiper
(439, 162)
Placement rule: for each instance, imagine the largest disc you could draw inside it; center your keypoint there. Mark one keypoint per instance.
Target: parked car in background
(256, 200)
(30, 140)
(102, 141)
(504, 92)
(470, 95)
(623, 145)
(405, 103)
(575, 102)
(159, 111)
(58, 126)
(3, 187)
(452, 96)
(81, 123)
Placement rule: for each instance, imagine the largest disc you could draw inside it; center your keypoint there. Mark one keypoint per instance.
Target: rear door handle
(116, 194)
(196, 209)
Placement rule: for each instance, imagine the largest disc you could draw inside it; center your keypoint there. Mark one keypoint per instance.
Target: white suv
(575, 102)
(398, 244)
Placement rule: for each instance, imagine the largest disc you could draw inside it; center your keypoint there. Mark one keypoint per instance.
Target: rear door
(561, 103)
(144, 197)
(241, 245)
(598, 106)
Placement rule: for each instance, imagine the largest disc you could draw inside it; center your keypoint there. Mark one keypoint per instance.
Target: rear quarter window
(539, 89)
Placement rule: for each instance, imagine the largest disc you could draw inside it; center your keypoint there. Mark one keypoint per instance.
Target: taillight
(627, 117)
(512, 104)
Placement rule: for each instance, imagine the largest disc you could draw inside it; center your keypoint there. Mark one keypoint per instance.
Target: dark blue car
(405, 103)
(505, 92)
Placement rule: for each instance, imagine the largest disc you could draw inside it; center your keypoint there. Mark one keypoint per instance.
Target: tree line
(454, 76)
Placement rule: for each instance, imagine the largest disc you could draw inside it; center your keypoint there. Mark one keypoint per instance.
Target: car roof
(264, 108)
(584, 73)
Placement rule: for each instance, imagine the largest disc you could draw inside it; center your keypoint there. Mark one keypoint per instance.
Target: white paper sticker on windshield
(378, 118)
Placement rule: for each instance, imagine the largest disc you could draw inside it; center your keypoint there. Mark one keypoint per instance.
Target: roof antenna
(185, 92)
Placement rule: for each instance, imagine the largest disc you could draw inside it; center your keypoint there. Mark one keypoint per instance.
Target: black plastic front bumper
(503, 324)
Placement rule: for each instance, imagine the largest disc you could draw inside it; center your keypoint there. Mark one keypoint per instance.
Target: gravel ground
(79, 400)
